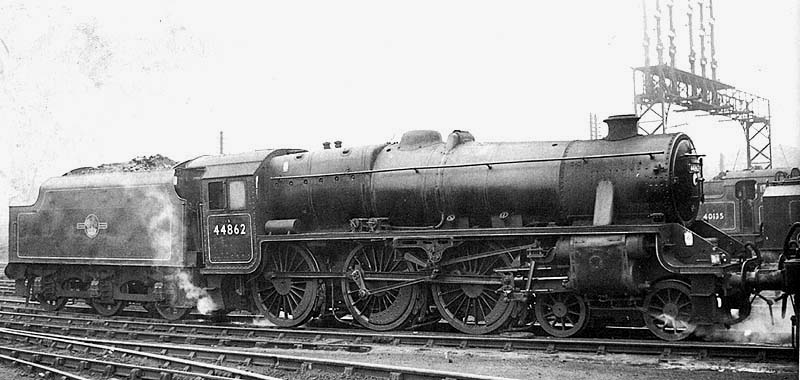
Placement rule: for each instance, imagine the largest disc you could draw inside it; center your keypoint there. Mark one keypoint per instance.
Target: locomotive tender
(482, 235)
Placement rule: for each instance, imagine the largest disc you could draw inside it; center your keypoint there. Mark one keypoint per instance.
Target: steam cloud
(205, 305)
(164, 230)
(262, 322)
(759, 327)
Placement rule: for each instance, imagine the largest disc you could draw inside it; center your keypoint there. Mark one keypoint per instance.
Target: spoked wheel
(51, 304)
(385, 310)
(473, 308)
(286, 301)
(561, 314)
(668, 308)
(107, 309)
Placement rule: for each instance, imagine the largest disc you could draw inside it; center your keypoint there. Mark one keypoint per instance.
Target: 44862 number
(229, 229)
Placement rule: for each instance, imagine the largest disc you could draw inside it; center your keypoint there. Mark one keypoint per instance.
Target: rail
(227, 359)
(46, 369)
(292, 338)
(190, 367)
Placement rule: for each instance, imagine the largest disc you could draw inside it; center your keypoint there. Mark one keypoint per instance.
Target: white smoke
(671, 324)
(759, 326)
(262, 322)
(163, 224)
(205, 305)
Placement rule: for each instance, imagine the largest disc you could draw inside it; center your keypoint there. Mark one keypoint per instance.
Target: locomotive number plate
(720, 214)
(230, 229)
(229, 238)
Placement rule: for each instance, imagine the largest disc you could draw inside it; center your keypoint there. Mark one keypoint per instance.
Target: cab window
(237, 197)
(216, 195)
(746, 190)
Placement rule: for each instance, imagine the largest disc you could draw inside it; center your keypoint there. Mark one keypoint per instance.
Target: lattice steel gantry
(660, 88)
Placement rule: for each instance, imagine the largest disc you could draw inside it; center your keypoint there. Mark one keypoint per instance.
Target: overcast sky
(85, 83)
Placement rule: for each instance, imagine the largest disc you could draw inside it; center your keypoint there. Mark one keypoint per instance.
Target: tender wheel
(386, 310)
(286, 301)
(107, 309)
(151, 309)
(51, 304)
(473, 308)
(561, 314)
(173, 306)
(668, 308)
(169, 311)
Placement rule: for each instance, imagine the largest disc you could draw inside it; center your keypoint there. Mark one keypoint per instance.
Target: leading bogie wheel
(668, 310)
(562, 314)
(283, 300)
(385, 310)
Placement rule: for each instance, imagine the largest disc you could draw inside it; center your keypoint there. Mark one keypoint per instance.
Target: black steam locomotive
(753, 205)
(389, 236)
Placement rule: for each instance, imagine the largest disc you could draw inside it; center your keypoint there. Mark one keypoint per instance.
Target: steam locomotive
(753, 205)
(398, 235)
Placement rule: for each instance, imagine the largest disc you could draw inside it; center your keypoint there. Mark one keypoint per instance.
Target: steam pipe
(785, 278)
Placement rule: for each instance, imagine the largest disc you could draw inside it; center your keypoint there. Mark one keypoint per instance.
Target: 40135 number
(714, 216)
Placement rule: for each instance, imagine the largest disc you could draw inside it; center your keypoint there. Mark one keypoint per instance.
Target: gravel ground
(532, 365)
(561, 365)
(7, 372)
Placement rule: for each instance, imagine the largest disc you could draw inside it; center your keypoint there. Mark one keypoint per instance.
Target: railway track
(47, 371)
(629, 333)
(6, 287)
(360, 340)
(109, 360)
(84, 326)
(195, 362)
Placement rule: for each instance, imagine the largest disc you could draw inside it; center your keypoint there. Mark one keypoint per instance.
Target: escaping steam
(671, 324)
(160, 225)
(759, 327)
(205, 305)
(262, 322)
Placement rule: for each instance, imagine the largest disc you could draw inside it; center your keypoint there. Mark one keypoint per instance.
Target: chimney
(337, 144)
(326, 145)
(621, 127)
